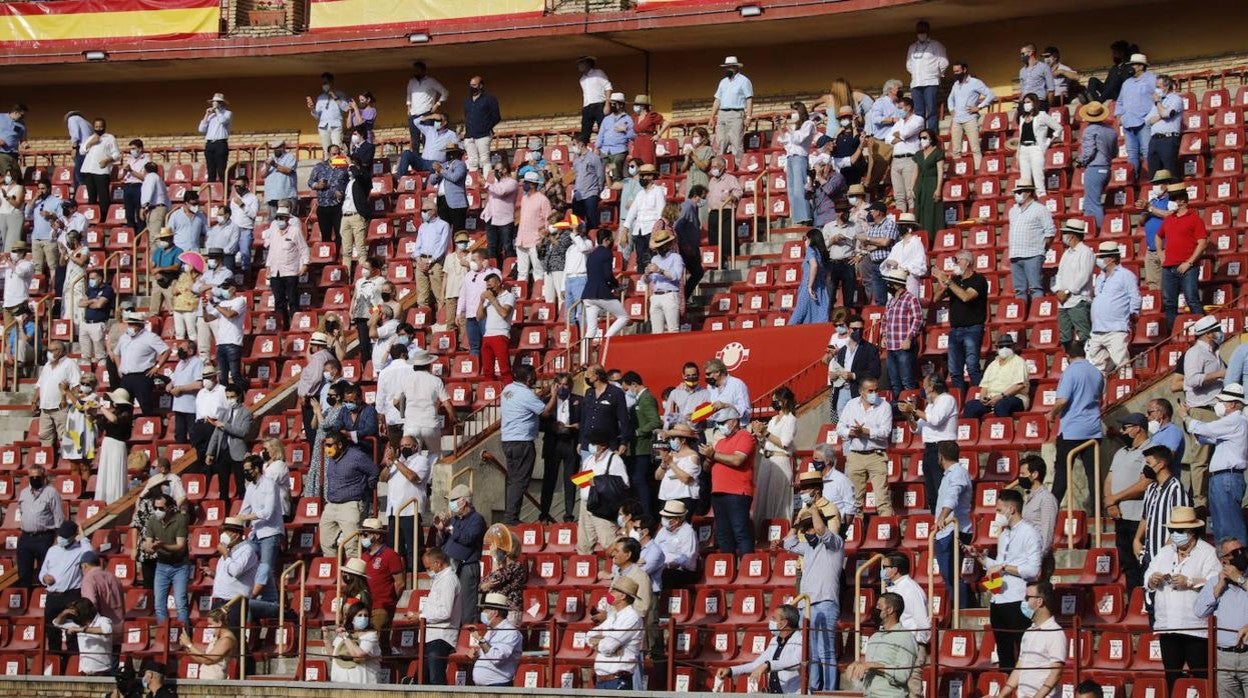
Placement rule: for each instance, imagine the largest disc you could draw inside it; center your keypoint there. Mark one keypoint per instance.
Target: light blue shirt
(436, 140)
(520, 409)
(328, 109)
(188, 230)
(972, 93)
(733, 92)
(279, 186)
(1116, 298)
(822, 563)
(41, 228)
(153, 191)
(673, 268)
(1237, 367)
(1082, 386)
(186, 372)
(1171, 436)
(955, 495)
(79, 129)
(236, 572)
(1171, 116)
(1035, 79)
(611, 141)
(652, 561)
(216, 126)
(734, 392)
(1231, 610)
(223, 235)
(12, 133)
(64, 565)
(1135, 101)
(882, 109)
(432, 239)
(1020, 546)
(263, 498)
(1229, 437)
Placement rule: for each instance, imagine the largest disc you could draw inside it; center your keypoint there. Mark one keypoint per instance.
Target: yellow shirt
(1000, 376)
(184, 299)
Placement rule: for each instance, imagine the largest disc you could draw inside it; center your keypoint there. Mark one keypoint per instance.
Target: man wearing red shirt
(731, 461)
(1181, 243)
(386, 577)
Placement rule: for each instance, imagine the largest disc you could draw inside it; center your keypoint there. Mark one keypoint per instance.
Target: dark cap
(90, 558)
(68, 529)
(878, 206)
(1005, 340)
(150, 664)
(1134, 419)
(822, 141)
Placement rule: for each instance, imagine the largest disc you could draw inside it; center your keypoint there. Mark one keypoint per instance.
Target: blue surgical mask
(351, 406)
(93, 283)
(359, 622)
(1180, 538)
(62, 541)
(453, 506)
(1027, 610)
(673, 444)
(873, 398)
(485, 617)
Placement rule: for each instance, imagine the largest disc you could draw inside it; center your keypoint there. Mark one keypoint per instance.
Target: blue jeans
(874, 282)
(475, 329)
(131, 196)
(796, 169)
(964, 344)
(925, 104)
(413, 161)
(902, 373)
(267, 571)
(1172, 283)
(244, 247)
(1006, 406)
(1137, 138)
(640, 475)
(230, 364)
(179, 575)
(1226, 494)
(1026, 273)
(624, 683)
(574, 287)
(823, 616)
(944, 560)
(1094, 181)
(734, 533)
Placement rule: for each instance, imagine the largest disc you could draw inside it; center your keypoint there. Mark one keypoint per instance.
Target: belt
(1229, 471)
(1028, 143)
(46, 410)
(349, 215)
(48, 532)
(219, 140)
(616, 675)
(662, 293)
(727, 109)
(1233, 650)
(1172, 135)
(872, 452)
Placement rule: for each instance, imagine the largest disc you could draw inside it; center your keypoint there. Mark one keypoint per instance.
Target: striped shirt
(1030, 227)
(884, 229)
(1159, 499)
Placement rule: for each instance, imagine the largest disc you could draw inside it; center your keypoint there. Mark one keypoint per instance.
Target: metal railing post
(957, 576)
(803, 670)
(281, 607)
(342, 546)
(1095, 487)
(871, 562)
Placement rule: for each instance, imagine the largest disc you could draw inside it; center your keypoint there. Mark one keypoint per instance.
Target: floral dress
(314, 484)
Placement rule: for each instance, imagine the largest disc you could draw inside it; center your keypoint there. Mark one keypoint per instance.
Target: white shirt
(400, 490)
(364, 672)
(422, 392)
(926, 62)
(1043, 646)
(496, 325)
(441, 609)
(1018, 545)
(17, 278)
(646, 210)
(139, 353)
(680, 547)
(386, 332)
(235, 573)
(670, 487)
(229, 330)
(422, 94)
(244, 216)
(389, 384)
(878, 420)
(908, 129)
(498, 664)
(796, 138)
(942, 420)
(784, 428)
(909, 254)
(595, 86)
(1228, 435)
(95, 652)
(105, 147)
(1074, 274)
(1174, 610)
(609, 461)
(915, 616)
(279, 472)
(50, 378)
(839, 490)
(208, 403)
(574, 258)
(620, 646)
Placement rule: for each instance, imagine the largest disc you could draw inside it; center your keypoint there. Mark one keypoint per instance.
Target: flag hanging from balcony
(338, 15)
(89, 22)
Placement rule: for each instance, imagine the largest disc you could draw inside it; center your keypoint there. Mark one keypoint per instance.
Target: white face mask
(213, 264)
(51, 357)
(794, 116)
(696, 140)
(1019, 198)
(925, 142)
(845, 122)
(1154, 426)
(134, 152)
(1005, 352)
(281, 223)
(1218, 409)
(632, 169)
(807, 498)
(715, 172)
(426, 216)
(226, 539)
(1154, 191)
(1001, 520)
(209, 384)
(853, 200)
(1180, 538)
(1028, 107)
(357, 139)
(636, 108)
(366, 541)
(231, 402)
(1101, 263)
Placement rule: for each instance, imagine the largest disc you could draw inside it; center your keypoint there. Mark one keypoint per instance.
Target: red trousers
(495, 348)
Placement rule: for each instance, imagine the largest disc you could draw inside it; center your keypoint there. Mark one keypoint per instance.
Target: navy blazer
(866, 364)
(599, 276)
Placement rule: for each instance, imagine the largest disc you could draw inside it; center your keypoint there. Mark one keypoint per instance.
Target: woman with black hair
(813, 303)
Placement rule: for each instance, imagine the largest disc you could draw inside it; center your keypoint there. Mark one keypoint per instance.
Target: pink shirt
(534, 210)
(500, 208)
(288, 251)
(470, 291)
(720, 188)
(103, 589)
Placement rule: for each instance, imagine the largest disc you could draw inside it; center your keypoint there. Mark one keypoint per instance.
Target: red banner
(764, 358)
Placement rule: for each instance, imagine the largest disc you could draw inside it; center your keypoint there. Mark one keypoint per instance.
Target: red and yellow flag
(702, 412)
(993, 583)
(583, 478)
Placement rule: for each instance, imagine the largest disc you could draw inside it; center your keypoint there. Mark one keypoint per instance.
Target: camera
(660, 445)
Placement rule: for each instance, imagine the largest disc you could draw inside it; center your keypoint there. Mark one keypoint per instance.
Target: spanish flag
(583, 478)
(702, 412)
(993, 583)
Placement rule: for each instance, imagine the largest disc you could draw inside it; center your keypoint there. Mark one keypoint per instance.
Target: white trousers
(595, 306)
(478, 154)
(665, 312)
(1031, 166)
(526, 259)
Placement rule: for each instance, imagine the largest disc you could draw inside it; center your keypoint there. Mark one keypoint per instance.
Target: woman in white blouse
(908, 253)
(679, 467)
(773, 475)
(277, 470)
(12, 200)
(1036, 130)
(356, 650)
(796, 138)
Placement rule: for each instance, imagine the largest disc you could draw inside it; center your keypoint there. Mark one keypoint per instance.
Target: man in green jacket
(645, 414)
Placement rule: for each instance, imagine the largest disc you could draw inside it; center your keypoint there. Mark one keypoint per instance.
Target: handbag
(607, 492)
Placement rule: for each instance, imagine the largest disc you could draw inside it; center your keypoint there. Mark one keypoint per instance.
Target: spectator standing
(1164, 494)
(595, 88)
(797, 133)
(79, 131)
(235, 569)
(42, 513)
(229, 443)
(1042, 652)
(1031, 232)
(590, 178)
(534, 211)
(97, 311)
(407, 491)
(814, 300)
(559, 449)
(1065, 79)
(967, 98)
(866, 423)
(874, 244)
(280, 176)
(1163, 431)
(139, 356)
(854, 360)
(433, 241)
(243, 209)
(1123, 491)
(616, 133)
(166, 537)
(725, 390)
(329, 180)
(664, 273)
(823, 560)
(1040, 508)
(1228, 436)
(494, 314)
(262, 508)
(461, 535)
(1204, 376)
(422, 393)
(94, 633)
(386, 574)
(1114, 309)
(1226, 599)
(724, 190)
(499, 214)
(449, 177)
(424, 95)
(1037, 130)
(1017, 562)
(936, 423)
(1098, 146)
(287, 261)
(227, 311)
(1073, 284)
(350, 481)
(57, 376)
(1181, 242)
(967, 291)
(133, 170)
(645, 211)
(166, 267)
(1080, 394)
(648, 125)
(223, 235)
(926, 62)
(1035, 77)
(103, 590)
(1135, 104)
(903, 324)
(12, 136)
(61, 576)
(602, 458)
(929, 183)
(184, 385)
(953, 516)
(617, 639)
(1182, 566)
(1164, 125)
(481, 115)
(43, 211)
(773, 477)
(731, 461)
(601, 288)
(732, 110)
(521, 411)
(215, 126)
(441, 613)
(1156, 207)
(904, 139)
(327, 108)
(644, 414)
(99, 152)
(698, 158)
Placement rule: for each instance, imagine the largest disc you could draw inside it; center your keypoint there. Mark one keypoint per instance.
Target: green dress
(927, 207)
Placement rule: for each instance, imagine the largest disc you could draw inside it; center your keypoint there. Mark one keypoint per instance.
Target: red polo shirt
(1178, 236)
(381, 570)
(726, 479)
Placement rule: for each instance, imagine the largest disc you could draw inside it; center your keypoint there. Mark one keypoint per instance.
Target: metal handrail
(342, 546)
(1094, 486)
(804, 668)
(241, 600)
(871, 562)
(281, 607)
(398, 523)
(956, 574)
(134, 259)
